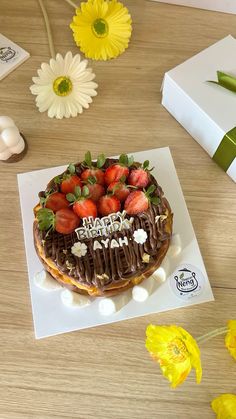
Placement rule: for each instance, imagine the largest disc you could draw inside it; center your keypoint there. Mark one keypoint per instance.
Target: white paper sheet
(226, 6)
(51, 317)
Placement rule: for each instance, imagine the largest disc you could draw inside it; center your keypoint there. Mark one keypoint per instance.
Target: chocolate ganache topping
(108, 265)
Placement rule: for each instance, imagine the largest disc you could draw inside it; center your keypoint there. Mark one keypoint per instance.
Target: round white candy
(11, 136)
(4, 155)
(106, 306)
(159, 274)
(140, 293)
(6, 122)
(44, 281)
(73, 299)
(19, 147)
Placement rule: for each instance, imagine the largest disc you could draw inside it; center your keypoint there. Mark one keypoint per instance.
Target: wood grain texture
(106, 372)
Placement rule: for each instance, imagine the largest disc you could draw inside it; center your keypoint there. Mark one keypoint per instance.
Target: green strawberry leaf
(130, 160)
(77, 192)
(151, 189)
(155, 200)
(88, 159)
(57, 180)
(122, 179)
(92, 180)
(146, 164)
(70, 197)
(181, 275)
(71, 168)
(85, 191)
(123, 159)
(46, 219)
(101, 160)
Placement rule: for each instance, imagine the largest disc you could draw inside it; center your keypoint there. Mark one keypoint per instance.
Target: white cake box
(227, 6)
(206, 110)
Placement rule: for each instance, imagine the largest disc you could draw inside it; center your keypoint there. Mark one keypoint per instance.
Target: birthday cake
(102, 226)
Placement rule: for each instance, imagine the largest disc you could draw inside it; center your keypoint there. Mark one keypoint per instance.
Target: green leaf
(155, 200)
(181, 275)
(226, 81)
(151, 189)
(42, 201)
(92, 180)
(46, 219)
(88, 159)
(101, 160)
(77, 192)
(71, 168)
(123, 179)
(57, 180)
(123, 159)
(130, 160)
(85, 191)
(70, 197)
(146, 164)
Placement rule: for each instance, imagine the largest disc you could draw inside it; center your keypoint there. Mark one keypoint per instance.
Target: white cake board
(51, 317)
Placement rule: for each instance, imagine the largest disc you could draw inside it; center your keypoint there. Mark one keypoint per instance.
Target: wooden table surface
(106, 372)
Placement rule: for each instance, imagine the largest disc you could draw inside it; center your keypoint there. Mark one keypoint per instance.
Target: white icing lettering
(114, 243)
(105, 242)
(97, 245)
(123, 241)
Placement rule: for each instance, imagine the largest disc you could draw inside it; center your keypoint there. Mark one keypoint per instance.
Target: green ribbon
(226, 81)
(226, 152)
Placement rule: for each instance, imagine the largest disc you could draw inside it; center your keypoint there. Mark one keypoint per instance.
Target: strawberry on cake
(102, 226)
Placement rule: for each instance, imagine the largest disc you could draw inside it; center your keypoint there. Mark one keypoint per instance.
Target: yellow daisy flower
(230, 338)
(176, 351)
(102, 28)
(225, 406)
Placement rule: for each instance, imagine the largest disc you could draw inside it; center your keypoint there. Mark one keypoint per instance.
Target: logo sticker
(7, 54)
(187, 282)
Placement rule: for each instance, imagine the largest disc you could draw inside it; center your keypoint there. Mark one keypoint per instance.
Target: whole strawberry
(95, 189)
(140, 177)
(119, 189)
(69, 180)
(92, 170)
(118, 170)
(139, 201)
(65, 221)
(108, 204)
(54, 201)
(83, 206)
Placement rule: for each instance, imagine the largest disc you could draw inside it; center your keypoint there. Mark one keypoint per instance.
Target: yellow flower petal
(102, 28)
(230, 338)
(225, 406)
(176, 351)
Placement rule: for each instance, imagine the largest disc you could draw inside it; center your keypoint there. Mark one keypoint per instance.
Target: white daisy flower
(64, 86)
(140, 236)
(79, 249)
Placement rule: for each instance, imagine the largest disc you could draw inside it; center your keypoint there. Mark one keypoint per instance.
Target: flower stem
(71, 3)
(48, 29)
(212, 334)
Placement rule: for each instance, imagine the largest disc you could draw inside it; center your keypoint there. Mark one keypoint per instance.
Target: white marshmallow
(4, 155)
(73, 299)
(19, 147)
(6, 122)
(141, 292)
(175, 246)
(44, 281)
(111, 305)
(159, 274)
(10, 136)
